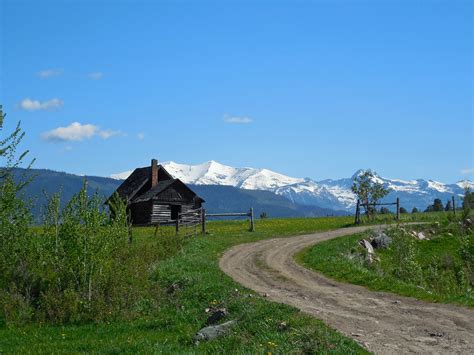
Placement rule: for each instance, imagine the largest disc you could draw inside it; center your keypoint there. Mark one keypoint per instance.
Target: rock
(282, 326)
(213, 331)
(173, 288)
(419, 235)
(370, 250)
(381, 241)
(216, 316)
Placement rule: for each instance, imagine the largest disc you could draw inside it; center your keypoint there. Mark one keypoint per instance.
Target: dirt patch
(381, 322)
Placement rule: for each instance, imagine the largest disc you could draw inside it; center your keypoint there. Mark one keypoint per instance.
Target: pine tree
(448, 206)
(437, 205)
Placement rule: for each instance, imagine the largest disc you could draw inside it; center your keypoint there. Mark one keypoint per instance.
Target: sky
(312, 89)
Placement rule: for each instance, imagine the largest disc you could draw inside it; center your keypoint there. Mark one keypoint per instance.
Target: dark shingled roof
(160, 187)
(134, 188)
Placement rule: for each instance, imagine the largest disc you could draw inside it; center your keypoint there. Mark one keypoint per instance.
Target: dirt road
(383, 323)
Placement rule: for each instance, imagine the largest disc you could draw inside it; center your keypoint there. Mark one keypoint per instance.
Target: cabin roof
(129, 188)
(133, 189)
(150, 194)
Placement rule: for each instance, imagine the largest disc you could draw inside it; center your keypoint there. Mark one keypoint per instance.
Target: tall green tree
(448, 206)
(15, 217)
(468, 199)
(438, 205)
(368, 190)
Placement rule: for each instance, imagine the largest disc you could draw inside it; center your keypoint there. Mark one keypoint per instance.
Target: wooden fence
(367, 206)
(189, 221)
(248, 214)
(192, 222)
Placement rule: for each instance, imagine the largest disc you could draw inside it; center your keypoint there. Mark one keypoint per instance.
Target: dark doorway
(175, 211)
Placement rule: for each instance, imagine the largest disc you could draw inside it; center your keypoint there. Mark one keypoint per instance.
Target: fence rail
(248, 214)
(367, 205)
(189, 221)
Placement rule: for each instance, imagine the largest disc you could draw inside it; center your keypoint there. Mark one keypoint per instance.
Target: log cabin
(153, 196)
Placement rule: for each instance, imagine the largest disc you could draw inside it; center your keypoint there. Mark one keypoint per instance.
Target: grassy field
(186, 280)
(436, 270)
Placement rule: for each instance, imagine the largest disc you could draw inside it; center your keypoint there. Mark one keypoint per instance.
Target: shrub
(384, 210)
(79, 267)
(404, 257)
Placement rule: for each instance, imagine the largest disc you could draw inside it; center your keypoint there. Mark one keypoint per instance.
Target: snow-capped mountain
(333, 194)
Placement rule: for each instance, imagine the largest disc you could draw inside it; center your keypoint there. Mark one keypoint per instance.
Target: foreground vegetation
(440, 269)
(184, 284)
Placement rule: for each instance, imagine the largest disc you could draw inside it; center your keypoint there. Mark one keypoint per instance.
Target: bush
(78, 267)
(384, 210)
(405, 257)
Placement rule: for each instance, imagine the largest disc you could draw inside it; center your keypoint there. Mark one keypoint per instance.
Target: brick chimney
(154, 173)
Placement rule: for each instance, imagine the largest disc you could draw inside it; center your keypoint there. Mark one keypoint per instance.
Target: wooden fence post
(252, 225)
(398, 209)
(130, 234)
(177, 225)
(203, 220)
(454, 206)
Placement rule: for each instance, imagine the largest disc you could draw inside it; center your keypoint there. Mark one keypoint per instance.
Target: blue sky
(308, 88)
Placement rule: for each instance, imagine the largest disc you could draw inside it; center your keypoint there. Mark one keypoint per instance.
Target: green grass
(169, 325)
(331, 258)
(167, 322)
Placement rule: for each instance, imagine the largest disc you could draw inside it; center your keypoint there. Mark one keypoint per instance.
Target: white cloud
(106, 134)
(237, 119)
(78, 132)
(141, 136)
(48, 73)
(468, 171)
(36, 105)
(95, 76)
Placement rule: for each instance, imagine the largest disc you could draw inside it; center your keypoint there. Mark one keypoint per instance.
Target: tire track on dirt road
(384, 323)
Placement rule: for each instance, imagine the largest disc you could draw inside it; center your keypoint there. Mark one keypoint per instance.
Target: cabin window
(175, 211)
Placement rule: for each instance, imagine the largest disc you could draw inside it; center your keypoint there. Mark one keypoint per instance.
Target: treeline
(468, 203)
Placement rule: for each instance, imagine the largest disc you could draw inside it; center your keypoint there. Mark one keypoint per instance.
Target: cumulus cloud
(237, 119)
(78, 132)
(36, 105)
(48, 73)
(468, 171)
(95, 76)
(141, 136)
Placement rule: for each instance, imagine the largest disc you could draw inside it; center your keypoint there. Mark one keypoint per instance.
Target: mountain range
(229, 189)
(219, 198)
(329, 194)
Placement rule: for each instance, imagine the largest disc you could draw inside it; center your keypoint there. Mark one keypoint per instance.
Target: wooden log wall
(160, 213)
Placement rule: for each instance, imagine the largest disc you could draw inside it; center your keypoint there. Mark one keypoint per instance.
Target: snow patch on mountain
(329, 193)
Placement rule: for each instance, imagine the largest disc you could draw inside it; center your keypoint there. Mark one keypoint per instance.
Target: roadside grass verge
(187, 283)
(441, 273)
